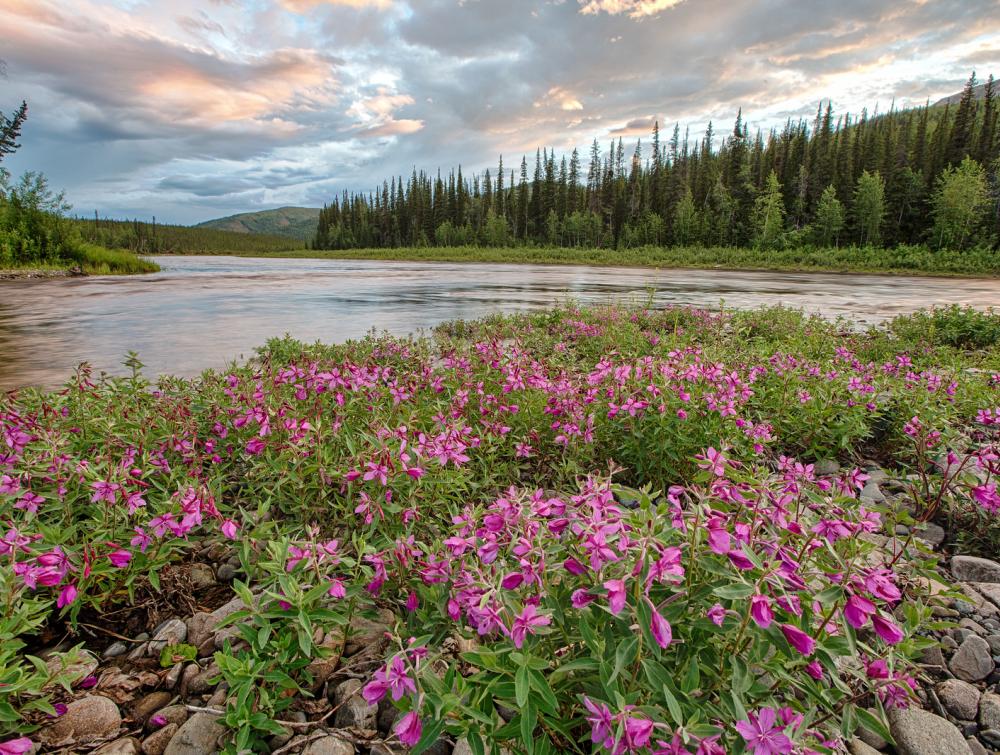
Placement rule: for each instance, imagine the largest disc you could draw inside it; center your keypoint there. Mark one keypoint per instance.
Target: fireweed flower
(616, 595)
(408, 729)
(660, 627)
(760, 610)
(886, 629)
(17, 746)
(798, 639)
(717, 614)
(763, 734)
(526, 623)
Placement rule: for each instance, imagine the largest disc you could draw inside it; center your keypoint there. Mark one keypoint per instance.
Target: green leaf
(529, 717)
(522, 684)
(735, 591)
(673, 706)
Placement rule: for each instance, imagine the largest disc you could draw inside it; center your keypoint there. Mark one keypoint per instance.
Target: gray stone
(989, 711)
(330, 745)
(826, 467)
(932, 656)
(89, 718)
(201, 626)
(170, 632)
(123, 746)
(202, 576)
(227, 573)
(857, 747)
(368, 634)
(173, 676)
(919, 732)
(198, 736)
(983, 605)
(115, 649)
(203, 682)
(994, 642)
(174, 714)
(280, 740)
(972, 569)
(990, 737)
(976, 746)
(872, 493)
(960, 698)
(931, 533)
(973, 626)
(869, 737)
(354, 709)
(157, 742)
(972, 661)
(462, 747)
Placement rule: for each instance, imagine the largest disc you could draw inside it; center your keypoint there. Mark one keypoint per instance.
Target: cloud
(634, 8)
(301, 6)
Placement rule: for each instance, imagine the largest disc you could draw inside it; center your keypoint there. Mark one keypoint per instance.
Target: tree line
(928, 175)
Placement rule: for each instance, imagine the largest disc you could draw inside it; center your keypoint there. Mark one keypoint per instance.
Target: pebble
(227, 573)
(856, 747)
(872, 493)
(959, 698)
(990, 737)
(156, 743)
(972, 661)
(354, 709)
(330, 745)
(198, 736)
(148, 705)
(123, 746)
(89, 718)
(918, 732)
(976, 746)
(972, 569)
(202, 576)
(989, 711)
(115, 649)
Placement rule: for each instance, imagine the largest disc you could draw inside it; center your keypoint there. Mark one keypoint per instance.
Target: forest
(143, 237)
(926, 176)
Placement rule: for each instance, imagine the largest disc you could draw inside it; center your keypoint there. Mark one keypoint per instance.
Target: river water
(203, 312)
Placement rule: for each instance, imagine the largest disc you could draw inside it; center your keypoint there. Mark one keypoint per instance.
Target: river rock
(115, 649)
(980, 601)
(368, 634)
(972, 569)
(989, 711)
(123, 746)
(919, 732)
(960, 698)
(198, 736)
(203, 682)
(354, 709)
(148, 705)
(330, 745)
(824, 468)
(89, 718)
(174, 714)
(972, 661)
(931, 533)
(857, 747)
(157, 742)
(976, 746)
(201, 626)
(201, 575)
(872, 493)
(76, 663)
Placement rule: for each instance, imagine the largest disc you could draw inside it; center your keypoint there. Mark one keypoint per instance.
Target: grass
(90, 259)
(909, 260)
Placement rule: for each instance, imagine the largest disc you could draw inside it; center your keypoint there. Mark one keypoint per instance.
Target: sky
(194, 109)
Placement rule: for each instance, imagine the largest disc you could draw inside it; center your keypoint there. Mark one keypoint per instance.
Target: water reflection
(202, 312)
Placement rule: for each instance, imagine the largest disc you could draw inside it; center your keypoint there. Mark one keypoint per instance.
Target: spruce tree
(869, 208)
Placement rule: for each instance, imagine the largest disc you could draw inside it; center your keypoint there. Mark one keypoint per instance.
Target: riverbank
(83, 259)
(518, 532)
(898, 261)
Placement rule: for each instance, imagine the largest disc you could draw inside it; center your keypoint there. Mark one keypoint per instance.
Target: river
(202, 312)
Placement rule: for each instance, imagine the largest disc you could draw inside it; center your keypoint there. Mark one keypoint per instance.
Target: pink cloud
(634, 8)
(301, 6)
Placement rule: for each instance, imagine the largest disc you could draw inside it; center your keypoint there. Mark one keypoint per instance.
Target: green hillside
(294, 222)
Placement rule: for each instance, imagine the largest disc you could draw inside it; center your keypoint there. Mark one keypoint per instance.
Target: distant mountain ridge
(978, 92)
(293, 222)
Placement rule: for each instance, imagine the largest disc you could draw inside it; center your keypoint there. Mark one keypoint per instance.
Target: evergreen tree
(769, 215)
(829, 218)
(10, 130)
(869, 208)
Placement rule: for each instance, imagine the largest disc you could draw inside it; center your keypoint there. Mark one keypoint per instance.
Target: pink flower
(526, 623)
(120, 558)
(412, 602)
(66, 596)
(713, 460)
(16, 746)
(857, 611)
(601, 723)
(229, 529)
(717, 614)
(158, 720)
(760, 610)
(798, 639)
(886, 629)
(660, 628)
(763, 735)
(409, 729)
(337, 589)
(637, 732)
(616, 595)
(815, 670)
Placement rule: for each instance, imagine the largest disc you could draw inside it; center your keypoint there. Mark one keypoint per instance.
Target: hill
(979, 92)
(293, 222)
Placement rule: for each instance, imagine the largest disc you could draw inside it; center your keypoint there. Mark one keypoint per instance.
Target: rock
(869, 737)
(115, 649)
(354, 709)
(976, 746)
(203, 682)
(170, 632)
(826, 467)
(932, 656)
(994, 642)
(989, 711)
(960, 698)
(856, 747)
(330, 745)
(227, 573)
(972, 569)
(156, 743)
(173, 676)
(202, 576)
(990, 737)
(918, 732)
(973, 626)
(931, 533)
(89, 718)
(198, 736)
(280, 740)
(972, 661)
(980, 602)
(148, 705)
(871, 493)
(174, 714)
(462, 747)
(123, 746)
(202, 625)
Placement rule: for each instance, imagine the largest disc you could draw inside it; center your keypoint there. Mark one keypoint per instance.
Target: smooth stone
(202, 683)
(149, 705)
(972, 569)
(972, 661)
(89, 718)
(931, 533)
(994, 642)
(919, 732)
(202, 625)
(227, 573)
(989, 711)
(123, 746)
(77, 664)
(857, 747)
(202, 576)
(157, 742)
(991, 737)
(364, 633)
(973, 626)
(174, 714)
(354, 709)
(331, 745)
(932, 656)
(173, 676)
(115, 649)
(872, 492)
(980, 601)
(960, 698)
(976, 746)
(198, 736)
